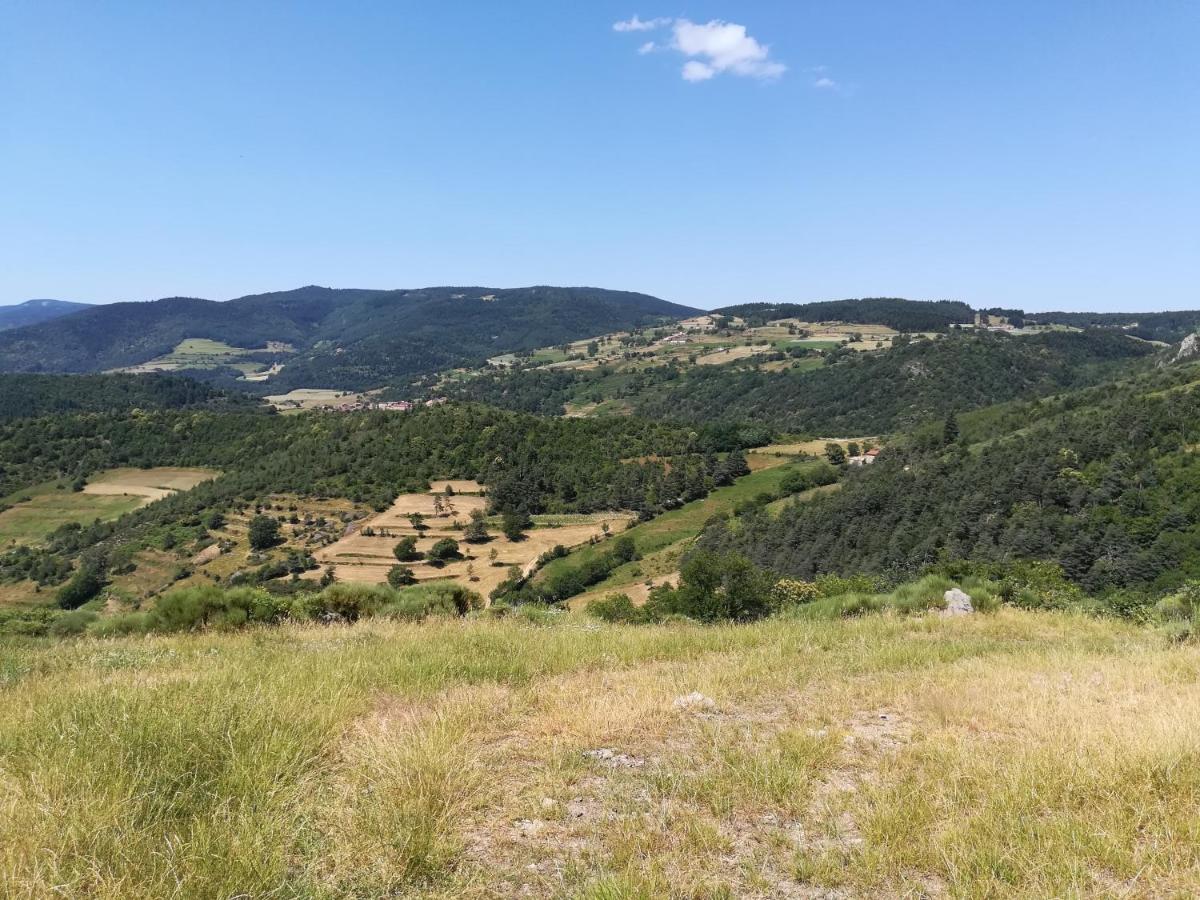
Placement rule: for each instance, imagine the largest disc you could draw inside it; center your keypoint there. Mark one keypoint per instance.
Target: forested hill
(344, 338)
(891, 390)
(27, 396)
(33, 311)
(902, 315)
(1104, 483)
(1168, 327)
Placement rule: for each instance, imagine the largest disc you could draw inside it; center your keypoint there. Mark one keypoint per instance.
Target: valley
(718, 599)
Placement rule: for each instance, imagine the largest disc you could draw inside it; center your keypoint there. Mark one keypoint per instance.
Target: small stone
(694, 701)
(614, 760)
(549, 803)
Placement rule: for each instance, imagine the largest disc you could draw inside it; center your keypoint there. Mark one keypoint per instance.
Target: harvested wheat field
(1015, 754)
(152, 484)
(731, 354)
(366, 558)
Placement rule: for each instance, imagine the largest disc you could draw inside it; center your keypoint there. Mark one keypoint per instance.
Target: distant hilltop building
(864, 459)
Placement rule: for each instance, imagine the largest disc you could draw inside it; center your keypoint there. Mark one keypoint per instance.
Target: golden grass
(149, 484)
(1019, 754)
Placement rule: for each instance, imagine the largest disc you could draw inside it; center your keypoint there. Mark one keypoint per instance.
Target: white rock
(957, 603)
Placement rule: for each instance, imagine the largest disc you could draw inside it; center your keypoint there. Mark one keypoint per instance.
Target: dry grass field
(1007, 755)
(311, 398)
(35, 513)
(731, 354)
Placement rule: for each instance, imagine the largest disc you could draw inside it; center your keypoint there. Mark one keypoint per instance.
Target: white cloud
(725, 47)
(825, 83)
(636, 24)
(711, 48)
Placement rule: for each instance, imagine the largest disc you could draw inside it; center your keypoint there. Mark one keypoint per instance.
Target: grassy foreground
(1015, 754)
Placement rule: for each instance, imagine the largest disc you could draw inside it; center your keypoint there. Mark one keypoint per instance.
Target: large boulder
(958, 603)
(1189, 349)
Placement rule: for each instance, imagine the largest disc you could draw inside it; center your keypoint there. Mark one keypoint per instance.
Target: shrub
(434, 598)
(207, 606)
(83, 586)
(119, 625)
(832, 585)
(614, 608)
(790, 592)
(1180, 611)
(406, 549)
(446, 548)
(72, 623)
(350, 601)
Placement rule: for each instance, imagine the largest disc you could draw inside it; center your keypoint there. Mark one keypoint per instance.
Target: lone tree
(401, 576)
(264, 532)
(476, 531)
(418, 521)
(835, 454)
(406, 549)
(514, 523)
(950, 430)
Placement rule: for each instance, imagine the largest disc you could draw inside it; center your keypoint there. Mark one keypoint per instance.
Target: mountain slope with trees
(28, 396)
(344, 338)
(1104, 484)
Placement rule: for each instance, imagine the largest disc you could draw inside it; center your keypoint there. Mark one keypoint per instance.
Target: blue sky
(1030, 154)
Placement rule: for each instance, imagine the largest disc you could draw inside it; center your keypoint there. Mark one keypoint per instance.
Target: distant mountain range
(31, 312)
(348, 338)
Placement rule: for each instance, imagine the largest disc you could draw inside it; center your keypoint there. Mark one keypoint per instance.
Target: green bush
(435, 598)
(614, 608)
(72, 623)
(120, 624)
(443, 550)
(350, 601)
(1180, 611)
(208, 606)
(406, 549)
(401, 576)
(83, 586)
